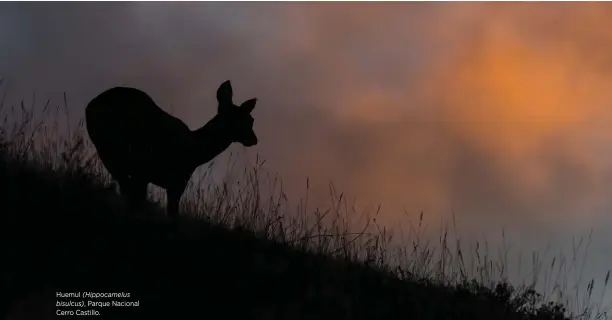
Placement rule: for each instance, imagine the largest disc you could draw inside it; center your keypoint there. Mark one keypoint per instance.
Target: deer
(139, 143)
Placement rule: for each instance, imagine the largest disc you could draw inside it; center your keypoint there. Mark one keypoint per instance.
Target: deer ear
(224, 93)
(249, 105)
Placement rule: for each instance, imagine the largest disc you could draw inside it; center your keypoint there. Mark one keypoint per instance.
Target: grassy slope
(63, 230)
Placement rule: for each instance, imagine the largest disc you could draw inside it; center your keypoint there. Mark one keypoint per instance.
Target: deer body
(139, 143)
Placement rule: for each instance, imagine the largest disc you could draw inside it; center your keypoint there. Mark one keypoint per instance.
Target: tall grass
(250, 199)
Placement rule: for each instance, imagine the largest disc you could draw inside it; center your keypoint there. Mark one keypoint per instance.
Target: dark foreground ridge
(64, 233)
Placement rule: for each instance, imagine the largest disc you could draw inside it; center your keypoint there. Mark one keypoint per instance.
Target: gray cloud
(498, 111)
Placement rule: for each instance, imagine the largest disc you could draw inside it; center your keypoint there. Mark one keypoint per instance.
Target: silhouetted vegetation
(232, 253)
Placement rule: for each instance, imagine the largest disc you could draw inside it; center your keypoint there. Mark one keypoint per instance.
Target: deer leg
(124, 187)
(133, 191)
(174, 197)
(138, 193)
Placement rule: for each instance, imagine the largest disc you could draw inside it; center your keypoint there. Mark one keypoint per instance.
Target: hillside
(63, 230)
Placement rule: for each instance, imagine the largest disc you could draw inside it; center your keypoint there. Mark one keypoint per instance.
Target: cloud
(498, 111)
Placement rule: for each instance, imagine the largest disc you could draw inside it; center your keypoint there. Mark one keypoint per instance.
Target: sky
(498, 112)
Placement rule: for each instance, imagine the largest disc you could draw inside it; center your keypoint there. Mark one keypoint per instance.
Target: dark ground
(62, 231)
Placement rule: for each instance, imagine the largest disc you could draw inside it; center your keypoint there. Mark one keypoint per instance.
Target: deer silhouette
(139, 143)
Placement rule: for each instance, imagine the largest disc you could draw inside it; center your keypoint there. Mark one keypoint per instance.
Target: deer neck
(213, 138)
